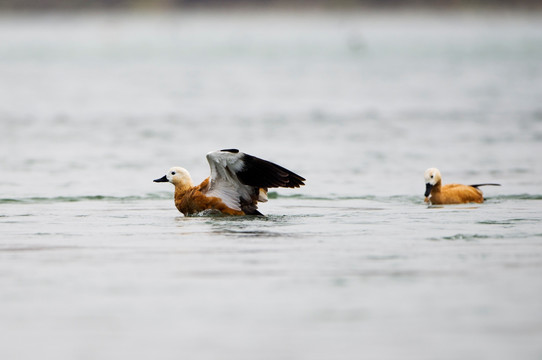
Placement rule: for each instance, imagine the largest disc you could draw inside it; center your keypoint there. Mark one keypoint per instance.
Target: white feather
(224, 183)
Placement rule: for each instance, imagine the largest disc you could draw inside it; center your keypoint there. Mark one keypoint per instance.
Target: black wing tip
(253, 212)
(294, 181)
(263, 173)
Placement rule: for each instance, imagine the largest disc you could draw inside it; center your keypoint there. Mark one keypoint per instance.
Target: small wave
(272, 195)
(393, 198)
(506, 221)
(467, 237)
(518, 197)
(62, 199)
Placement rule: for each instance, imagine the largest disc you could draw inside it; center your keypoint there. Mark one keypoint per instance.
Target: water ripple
(271, 195)
(62, 199)
(467, 237)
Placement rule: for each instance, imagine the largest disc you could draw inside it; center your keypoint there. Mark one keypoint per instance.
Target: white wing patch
(224, 183)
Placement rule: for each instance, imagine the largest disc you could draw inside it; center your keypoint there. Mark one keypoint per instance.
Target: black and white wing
(237, 178)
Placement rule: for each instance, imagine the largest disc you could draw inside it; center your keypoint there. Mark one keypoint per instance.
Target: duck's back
(457, 194)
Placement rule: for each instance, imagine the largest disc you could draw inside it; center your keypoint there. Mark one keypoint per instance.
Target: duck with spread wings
(237, 183)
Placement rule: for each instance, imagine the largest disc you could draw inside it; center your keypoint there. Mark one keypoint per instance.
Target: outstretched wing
(265, 174)
(237, 178)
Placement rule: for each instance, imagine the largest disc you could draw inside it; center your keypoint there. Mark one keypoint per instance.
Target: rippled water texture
(95, 261)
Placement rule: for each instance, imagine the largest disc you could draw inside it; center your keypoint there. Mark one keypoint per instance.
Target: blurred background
(123, 4)
(98, 98)
(364, 91)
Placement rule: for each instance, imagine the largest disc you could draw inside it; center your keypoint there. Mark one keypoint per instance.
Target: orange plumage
(237, 183)
(439, 194)
(455, 194)
(192, 200)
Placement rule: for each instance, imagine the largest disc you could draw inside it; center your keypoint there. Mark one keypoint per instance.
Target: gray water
(96, 262)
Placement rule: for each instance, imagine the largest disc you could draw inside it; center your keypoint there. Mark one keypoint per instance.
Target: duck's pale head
(178, 176)
(432, 177)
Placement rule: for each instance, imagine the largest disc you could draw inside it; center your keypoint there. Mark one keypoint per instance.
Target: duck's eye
(173, 173)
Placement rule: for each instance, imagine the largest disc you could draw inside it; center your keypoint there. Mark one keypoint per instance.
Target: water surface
(95, 261)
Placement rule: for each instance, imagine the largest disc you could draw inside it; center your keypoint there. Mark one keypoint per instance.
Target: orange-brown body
(454, 194)
(192, 200)
(238, 182)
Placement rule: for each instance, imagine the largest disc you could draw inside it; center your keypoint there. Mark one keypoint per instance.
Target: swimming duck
(237, 183)
(438, 194)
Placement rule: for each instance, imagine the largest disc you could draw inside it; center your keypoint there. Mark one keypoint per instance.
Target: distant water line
(271, 195)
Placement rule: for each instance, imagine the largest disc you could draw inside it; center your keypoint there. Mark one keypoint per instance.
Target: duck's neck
(180, 189)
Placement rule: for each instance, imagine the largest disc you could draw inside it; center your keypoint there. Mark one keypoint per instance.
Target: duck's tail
(488, 184)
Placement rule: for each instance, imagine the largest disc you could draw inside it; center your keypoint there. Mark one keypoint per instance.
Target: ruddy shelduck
(438, 194)
(237, 183)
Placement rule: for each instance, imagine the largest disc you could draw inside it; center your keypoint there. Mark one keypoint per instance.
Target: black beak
(428, 188)
(162, 179)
